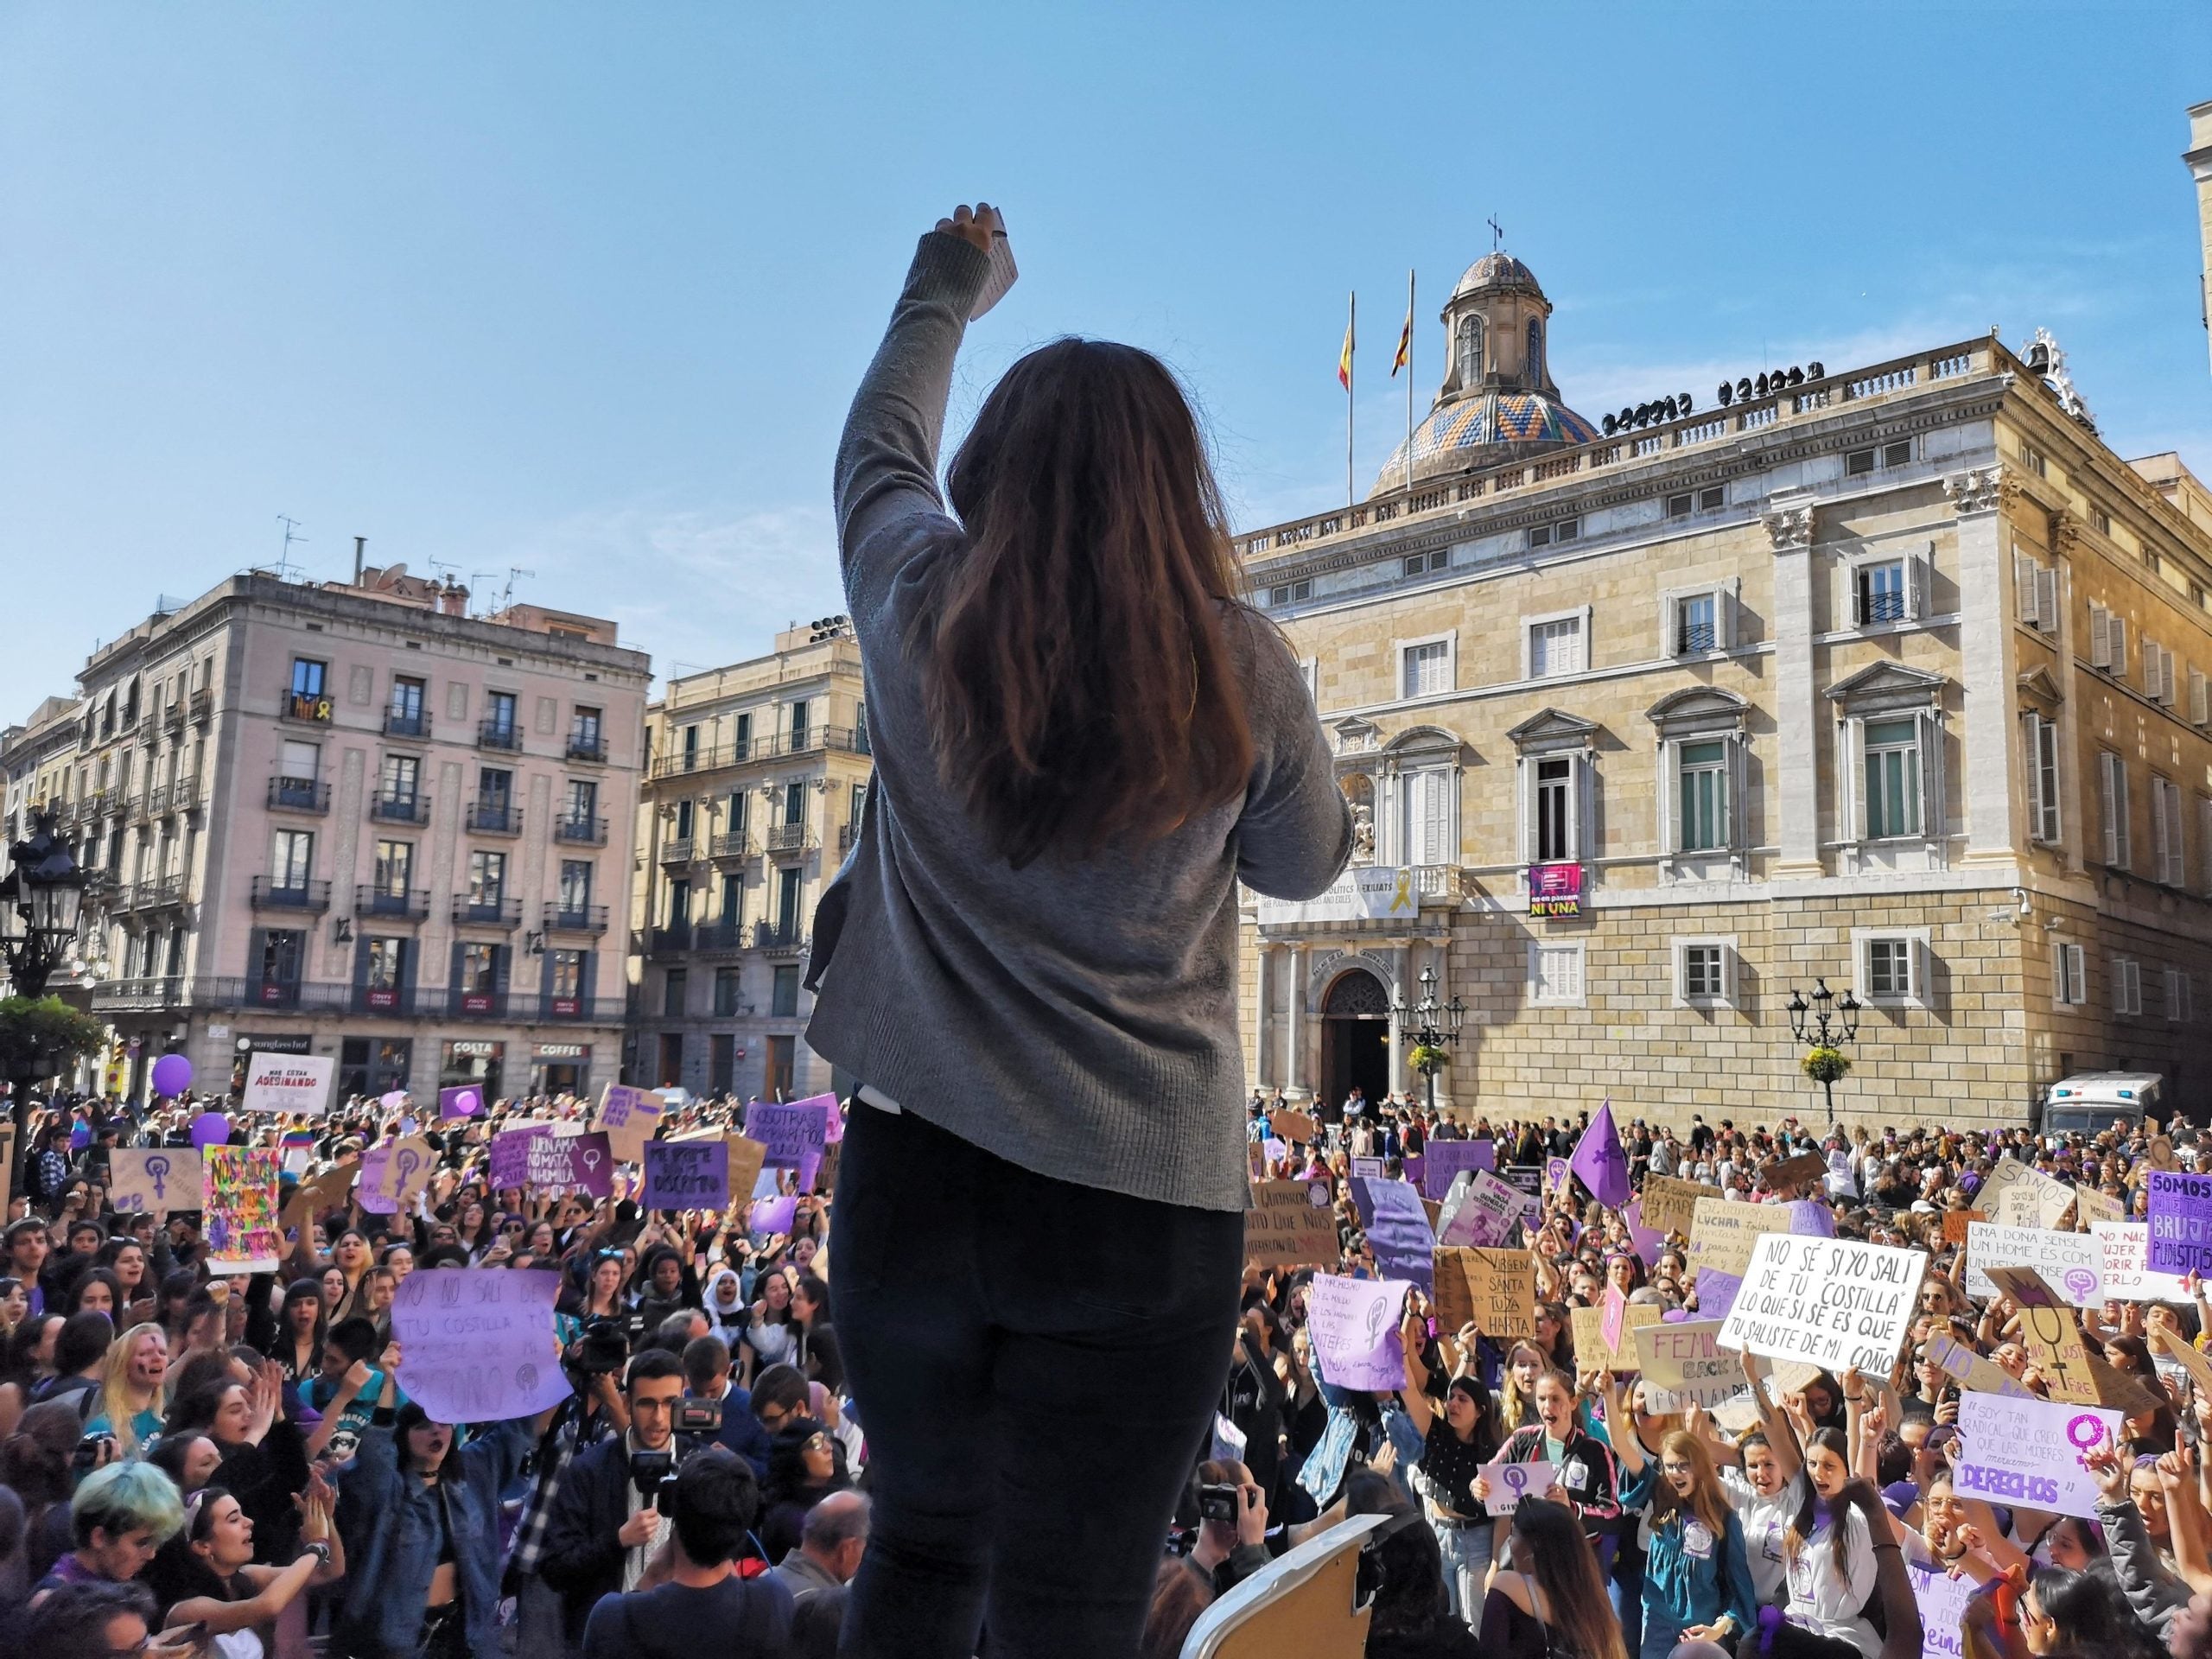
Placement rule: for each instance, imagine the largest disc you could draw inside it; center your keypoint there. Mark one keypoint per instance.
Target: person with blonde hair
(1697, 1576)
(129, 1401)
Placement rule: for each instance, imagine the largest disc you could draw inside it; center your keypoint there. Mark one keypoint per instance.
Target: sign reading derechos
(1832, 1302)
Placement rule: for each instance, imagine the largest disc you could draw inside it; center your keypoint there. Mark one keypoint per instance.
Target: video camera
(603, 1347)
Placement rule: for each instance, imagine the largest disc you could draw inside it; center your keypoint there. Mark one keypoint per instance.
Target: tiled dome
(1484, 430)
(1496, 270)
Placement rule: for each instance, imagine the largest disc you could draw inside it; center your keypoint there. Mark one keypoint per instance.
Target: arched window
(1533, 368)
(1470, 350)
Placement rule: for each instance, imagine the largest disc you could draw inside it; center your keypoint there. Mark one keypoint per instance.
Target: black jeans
(1036, 1365)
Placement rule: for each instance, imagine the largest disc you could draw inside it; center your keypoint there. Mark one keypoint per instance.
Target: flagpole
(1409, 380)
(1351, 375)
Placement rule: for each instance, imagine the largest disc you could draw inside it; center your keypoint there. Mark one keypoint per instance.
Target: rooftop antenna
(514, 574)
(1496, 233)
(284, 569)
(476, 581)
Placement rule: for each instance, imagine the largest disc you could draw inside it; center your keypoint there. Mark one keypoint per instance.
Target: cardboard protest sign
(153, 1180)
(2071, 1264)
(1591, 1350)
(1557, 1172)
(795, 1134)
(1293, 1126)
(327, 1192)
(1496, 1289)
(628, 1117)
(746, 1158)
(2029, 1452)
(1291, 1224)
(1670, 1205)
(1367, 1169)
(1956, 1223)
(1832, 1302)
(477, 1345)
(394, 1175)
(289, 1083)
(1354, 1326)
(1970, 1371)
(1397, 1230)
(2016, 1195)
(1686, 1364)
(687, 1174)
(2180, 1221)
(2124, 1249)
(2091, 1206)
(1723, 1235)
(1511, 1482)
(1445, 1159)
(1785, 1172)
(2184, 1353)
(1489, 1212)
(240, 1209)
(2049, 1333)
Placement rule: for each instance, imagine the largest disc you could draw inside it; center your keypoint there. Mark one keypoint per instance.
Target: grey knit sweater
(1076, 1019)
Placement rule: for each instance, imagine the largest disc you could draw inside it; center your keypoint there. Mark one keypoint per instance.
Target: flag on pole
(1344, 359)
(1405, 338)
(1600, 1161)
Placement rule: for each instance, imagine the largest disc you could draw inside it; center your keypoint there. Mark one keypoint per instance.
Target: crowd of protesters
(191, 1461)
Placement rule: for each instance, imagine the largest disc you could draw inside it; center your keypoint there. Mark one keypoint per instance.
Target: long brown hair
(1558, 1561)
(1708, 1500)
(1074, 663)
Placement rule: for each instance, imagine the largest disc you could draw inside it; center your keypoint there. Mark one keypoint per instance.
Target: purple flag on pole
(1598, 1160)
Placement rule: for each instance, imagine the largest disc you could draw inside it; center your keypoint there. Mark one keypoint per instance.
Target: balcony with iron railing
(498, 735)
(482, 911)
(476, 1005)
(679, 849)
(583, 1010)
(173, 717)
(580, 832)
(158, 801)
(308, 795)
(721, 934)
(161, 892)
(847, 834)
(588, 746)
(201, 704)
(393, 1000)
(494, 814)
(267, 894)
(773, 746)
(576, 918)
(392, 903)
(668, 938)
(181, 991)
(788, 838)
(778, 939)
(413, 807)
(407, 722)
(725, 848)
(187, 796)
(307, 708)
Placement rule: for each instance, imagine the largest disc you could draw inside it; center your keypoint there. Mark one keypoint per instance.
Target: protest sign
(1786, 1173)
(1397, 1230)
(1293, 1126)
(1970, 1371)
(1489, 1212)
(2180, 1221)
(687, 1174)
(1557, 1174)
(539, 1159)
(1445, 1159)
(1830, 1302)
(327, 1192)
(1511, 1482)
(794, 1135)
(2029, 1452)
(2016, 1195)
(2091, 1206)
(1716, 1293)
(2071, 1264)
(773, 1215)
(395, 1174)
(477, 1344)
(1670, 1205)
(2049, 1333)
(1367, 1169)
(1956, 1223)
(289, 1083)
(240, 1207)
(1354, 1326)
(1291, 1224)
(463, 1101)
(1612, 1315)
(1590, 1348)
(2124, 1249)
(153, 1180)
(510, 1164)
(746, 1158)
(1525, 1178)
(1942, 1600)
(1647, 1241)
(1687, 1366)
(1723, 1235)
(1496, 1289)
(628, 1116)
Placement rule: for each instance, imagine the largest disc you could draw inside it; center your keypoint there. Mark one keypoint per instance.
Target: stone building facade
(352, 819)
(758, 776)
(1893, 678)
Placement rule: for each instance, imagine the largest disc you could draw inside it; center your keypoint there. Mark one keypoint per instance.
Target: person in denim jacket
(1697, 1578)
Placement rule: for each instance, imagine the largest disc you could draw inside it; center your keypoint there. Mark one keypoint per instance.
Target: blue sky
(584, 290)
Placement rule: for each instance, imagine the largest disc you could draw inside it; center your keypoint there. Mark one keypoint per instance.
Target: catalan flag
(1405, 343)
(1344, 358)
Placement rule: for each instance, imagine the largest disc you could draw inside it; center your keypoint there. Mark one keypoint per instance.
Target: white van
(2092, 1101)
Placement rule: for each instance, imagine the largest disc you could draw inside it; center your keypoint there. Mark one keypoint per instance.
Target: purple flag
(1599, 1161)
(465, 1100)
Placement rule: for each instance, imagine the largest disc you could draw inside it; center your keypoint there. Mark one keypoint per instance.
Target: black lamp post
(1433, 1026)
(1825, 1023)
(42, 900)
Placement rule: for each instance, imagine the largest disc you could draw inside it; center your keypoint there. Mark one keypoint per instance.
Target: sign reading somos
(1830, 1302)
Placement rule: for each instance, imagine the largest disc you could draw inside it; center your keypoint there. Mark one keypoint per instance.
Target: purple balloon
(171, 1075)
(211, 1130)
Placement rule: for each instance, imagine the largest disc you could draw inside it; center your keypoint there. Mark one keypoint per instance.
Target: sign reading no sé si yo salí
(477, 1345)
(2032, 1453)
(153, 1180)
(1291, 1224)
(1830, 1302)
(2180, 1221)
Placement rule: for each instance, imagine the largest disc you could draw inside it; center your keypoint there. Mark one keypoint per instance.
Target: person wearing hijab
(726, 1311)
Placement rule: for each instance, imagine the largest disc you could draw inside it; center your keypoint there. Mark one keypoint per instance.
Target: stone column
(1296, 1072)
(1990, 731)
(2073, 786)
(1795, 789)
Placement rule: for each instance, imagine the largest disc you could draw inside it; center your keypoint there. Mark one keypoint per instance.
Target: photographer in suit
(606, 1523)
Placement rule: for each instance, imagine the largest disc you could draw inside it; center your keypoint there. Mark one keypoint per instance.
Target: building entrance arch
(1355, 1039)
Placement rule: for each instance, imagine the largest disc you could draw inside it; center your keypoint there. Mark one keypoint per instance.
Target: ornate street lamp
(1433, 1027)
(1824, 1024)
(42, 900)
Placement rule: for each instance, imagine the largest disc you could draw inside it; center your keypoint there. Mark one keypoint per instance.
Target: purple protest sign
(511, 1155)
(478, 1345)
(773, 1215)
(1648, 1242)
(687, 1174)
(1811, 1218)
(376, 1169)
(552, 1160)
(466, 1101)
(1445, 1159)
(833, 1121)
(1354, 1325)
(1413, 1164)
(1397, 1230)
(1716, 1293)
(1556, 1174)
(794, 1133)
(2180, 1221)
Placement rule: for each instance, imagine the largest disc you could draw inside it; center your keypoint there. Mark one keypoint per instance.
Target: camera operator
(593, 1413)
(707, 1378)
(606, 1522)
(705, 1605)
